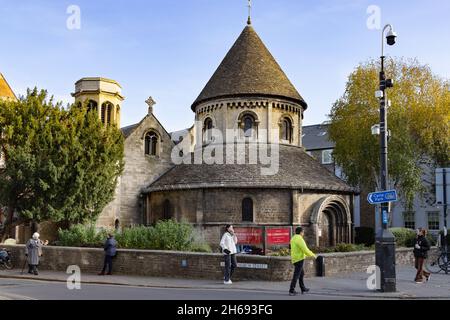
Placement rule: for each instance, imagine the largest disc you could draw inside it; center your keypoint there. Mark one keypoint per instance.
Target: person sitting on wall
(299, 252)
(228, 245)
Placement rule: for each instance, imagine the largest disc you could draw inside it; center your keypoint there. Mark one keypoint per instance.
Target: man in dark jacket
(110, 252)
(421, 249)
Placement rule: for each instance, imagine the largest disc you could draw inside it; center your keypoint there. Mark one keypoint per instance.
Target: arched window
(117, 224)
(151, 144)
(286, 130)
(107, 112)
(248, 126)
(207, 130)
(247, 210)
(167, 210)
(92, 106)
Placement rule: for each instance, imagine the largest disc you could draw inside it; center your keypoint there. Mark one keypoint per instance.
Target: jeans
(230, 265)
(107, 263)
(299, 274)
(420, 269)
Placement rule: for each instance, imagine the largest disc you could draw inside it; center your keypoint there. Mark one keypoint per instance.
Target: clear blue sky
(170, 48)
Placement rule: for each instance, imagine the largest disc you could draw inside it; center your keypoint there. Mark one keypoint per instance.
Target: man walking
(228, 245)
(110, 252)
(299, 252)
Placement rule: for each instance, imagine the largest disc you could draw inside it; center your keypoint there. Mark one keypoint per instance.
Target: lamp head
(391, 37)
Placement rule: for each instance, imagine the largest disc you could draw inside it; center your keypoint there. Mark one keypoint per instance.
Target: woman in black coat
(421, 249)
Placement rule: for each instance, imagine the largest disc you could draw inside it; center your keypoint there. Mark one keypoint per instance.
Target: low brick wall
(197, 265)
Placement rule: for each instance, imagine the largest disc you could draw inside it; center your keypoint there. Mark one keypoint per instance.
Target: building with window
(424, 214)
(250, 97)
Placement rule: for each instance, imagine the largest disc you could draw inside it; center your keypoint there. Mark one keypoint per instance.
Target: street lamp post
(385, 240)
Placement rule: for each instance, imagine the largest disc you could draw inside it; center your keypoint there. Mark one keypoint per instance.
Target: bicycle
(5, 259)
(440, 261)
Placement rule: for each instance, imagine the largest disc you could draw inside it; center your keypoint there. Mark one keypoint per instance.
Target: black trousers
(299, 274)
(230, 265)
(32, 268)
(107, 264)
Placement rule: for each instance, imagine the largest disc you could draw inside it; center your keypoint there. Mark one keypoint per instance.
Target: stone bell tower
(101, 95)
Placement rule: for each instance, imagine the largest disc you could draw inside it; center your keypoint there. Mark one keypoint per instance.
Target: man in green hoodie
(299, 252)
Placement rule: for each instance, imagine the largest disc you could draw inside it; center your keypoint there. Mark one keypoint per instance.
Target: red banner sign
(278, 236)
(249, 235)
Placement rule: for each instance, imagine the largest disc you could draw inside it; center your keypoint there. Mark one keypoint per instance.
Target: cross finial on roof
(249, 21)
(150, 103)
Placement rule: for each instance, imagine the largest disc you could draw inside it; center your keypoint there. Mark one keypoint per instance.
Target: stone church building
(208, 177)
(250, 96)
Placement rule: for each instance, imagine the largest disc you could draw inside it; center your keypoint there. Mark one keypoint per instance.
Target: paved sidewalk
(346, 286)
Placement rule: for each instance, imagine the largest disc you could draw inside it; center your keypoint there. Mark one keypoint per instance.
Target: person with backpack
(110, 248)
(299, 252)
(228, 245)
(421, 248)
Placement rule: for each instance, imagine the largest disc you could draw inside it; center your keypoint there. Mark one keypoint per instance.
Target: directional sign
(382, 197)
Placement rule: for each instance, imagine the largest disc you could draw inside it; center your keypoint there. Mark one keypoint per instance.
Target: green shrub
(349, 247)
(283, 252)
(404, 237)
(81, 236)
(165, 235)
(364, 235)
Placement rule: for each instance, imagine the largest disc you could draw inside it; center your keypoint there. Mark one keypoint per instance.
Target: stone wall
(199, 265)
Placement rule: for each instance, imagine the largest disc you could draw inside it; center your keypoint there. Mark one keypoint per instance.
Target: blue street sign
(382, 197)
(385, 217)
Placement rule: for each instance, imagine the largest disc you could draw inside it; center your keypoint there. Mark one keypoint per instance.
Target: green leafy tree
(418, 120)
(61, 165)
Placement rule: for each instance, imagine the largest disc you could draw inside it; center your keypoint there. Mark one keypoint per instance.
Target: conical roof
(249, 69)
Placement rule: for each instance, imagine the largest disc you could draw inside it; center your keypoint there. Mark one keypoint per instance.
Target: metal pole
(385, 241)
(444, 176)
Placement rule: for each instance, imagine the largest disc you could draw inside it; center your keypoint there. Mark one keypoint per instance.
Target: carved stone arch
(335, 210)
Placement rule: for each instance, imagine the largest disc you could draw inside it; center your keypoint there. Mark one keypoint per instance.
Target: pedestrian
(110, 248)
(421, 249)
(299, 252)
(228, 245)
(33, 252)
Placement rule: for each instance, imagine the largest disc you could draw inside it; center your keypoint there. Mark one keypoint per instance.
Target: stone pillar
(269, 122)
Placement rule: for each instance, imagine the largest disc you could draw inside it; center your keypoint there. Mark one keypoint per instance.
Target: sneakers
(228, 282)
(293, 293)
(420, 282)
(429, 277)
(305, 290)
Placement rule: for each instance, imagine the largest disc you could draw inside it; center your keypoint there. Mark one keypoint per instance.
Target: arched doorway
(332, 220)
(326, 230)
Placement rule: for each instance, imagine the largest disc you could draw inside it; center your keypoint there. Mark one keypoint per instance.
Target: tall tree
(61, 165)
(419, 122)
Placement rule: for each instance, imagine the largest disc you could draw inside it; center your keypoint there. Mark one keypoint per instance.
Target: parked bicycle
(5, 259)
(439, 261)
